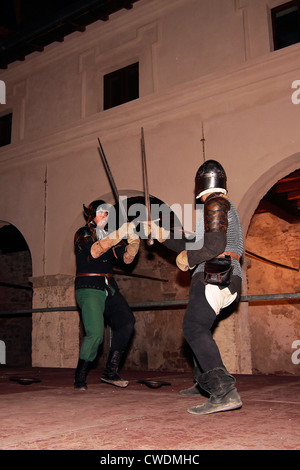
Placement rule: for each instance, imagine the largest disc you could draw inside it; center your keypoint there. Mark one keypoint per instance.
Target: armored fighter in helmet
(97, 292)
(214, 260)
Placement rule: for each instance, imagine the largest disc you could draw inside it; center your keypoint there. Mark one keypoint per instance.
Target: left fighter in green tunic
(97, 292)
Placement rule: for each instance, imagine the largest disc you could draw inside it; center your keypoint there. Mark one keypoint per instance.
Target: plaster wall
(207, 69)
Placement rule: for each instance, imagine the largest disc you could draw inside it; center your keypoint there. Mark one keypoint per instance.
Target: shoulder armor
(216, 208)
(84, 235)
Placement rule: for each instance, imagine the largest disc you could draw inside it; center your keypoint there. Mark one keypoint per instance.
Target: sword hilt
(150, 241)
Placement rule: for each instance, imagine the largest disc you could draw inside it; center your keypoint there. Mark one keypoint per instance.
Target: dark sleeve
(214, 245)
(176, 245)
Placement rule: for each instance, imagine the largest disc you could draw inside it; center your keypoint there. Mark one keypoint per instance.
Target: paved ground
(51, 415)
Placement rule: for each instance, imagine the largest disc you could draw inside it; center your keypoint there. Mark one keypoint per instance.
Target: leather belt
(231, 254)
(95, 274)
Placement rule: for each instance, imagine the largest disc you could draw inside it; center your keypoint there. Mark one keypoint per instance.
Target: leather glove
(158, 233)
(182, 261)
(102, 246)
(133, 244)
(131, 249)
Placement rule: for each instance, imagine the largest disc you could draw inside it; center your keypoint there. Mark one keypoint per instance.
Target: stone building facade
(207, 70)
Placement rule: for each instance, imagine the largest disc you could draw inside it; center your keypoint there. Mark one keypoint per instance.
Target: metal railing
(149, 305)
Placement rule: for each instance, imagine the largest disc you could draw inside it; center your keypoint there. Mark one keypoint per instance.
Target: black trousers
(120, 317)
(197, 324)
(97, 305)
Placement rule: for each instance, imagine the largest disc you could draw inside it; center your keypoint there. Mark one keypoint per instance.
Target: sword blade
(150, 240)
(111, 180)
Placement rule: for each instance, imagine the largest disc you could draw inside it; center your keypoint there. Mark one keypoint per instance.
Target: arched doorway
(15, 295)
(272, 251)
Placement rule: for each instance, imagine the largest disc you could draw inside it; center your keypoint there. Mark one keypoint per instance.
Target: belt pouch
(218, 271)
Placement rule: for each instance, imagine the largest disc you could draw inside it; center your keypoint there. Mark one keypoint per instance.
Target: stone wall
(15, 331)
(55, 335)
(274, 324)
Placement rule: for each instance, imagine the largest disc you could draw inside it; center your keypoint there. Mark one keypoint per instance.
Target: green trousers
(99, 305)
(92, 305)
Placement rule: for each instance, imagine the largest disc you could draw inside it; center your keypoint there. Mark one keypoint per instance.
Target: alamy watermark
(172, 218)
(2, 352)
(296, 94)
(296, 354)
(296, 344)
(2, 92)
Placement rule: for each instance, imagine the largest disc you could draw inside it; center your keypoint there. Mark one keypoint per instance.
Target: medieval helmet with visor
(210, 177)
